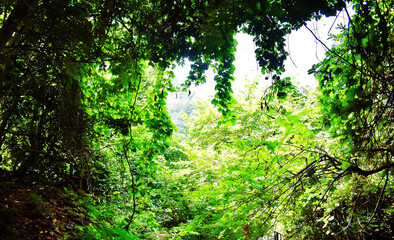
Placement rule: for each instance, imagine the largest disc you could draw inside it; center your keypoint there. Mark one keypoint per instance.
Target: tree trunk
(21, 10)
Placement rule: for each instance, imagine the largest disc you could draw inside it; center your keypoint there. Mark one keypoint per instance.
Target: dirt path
(32, 211)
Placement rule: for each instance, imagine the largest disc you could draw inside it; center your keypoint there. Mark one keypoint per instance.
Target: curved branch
(380, 197)
(359, 171)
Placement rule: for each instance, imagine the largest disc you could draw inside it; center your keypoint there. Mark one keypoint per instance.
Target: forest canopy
(83, 89)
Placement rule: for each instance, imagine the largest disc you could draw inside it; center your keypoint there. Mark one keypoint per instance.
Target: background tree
(49, 48)
(356, 82)
(276, 169)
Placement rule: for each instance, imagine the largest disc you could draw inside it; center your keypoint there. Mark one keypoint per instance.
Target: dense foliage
(83, 90)
(279, 170)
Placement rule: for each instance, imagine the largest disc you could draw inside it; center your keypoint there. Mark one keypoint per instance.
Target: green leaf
(364, 42)
(345, 165)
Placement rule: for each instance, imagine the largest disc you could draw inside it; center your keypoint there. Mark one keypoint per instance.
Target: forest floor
(29, 210)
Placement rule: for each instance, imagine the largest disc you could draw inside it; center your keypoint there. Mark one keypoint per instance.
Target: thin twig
(381, 195)
(329, 49)
(288, 49)
(332, 25)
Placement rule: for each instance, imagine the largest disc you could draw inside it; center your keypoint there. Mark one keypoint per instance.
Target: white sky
(304, 50)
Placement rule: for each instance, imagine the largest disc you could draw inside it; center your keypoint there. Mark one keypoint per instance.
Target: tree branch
(359, 171)
(331, 51)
